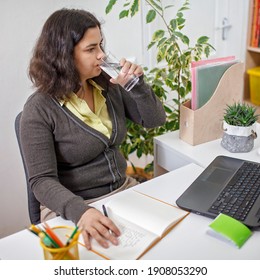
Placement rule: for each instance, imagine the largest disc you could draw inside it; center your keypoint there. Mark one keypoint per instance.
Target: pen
(52, 235)
(105, 213)
(46, 239)
(34, 229)
(72, 235)
(104, 210)
(33, 232)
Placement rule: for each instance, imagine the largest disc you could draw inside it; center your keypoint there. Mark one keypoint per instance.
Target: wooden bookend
(205, 124)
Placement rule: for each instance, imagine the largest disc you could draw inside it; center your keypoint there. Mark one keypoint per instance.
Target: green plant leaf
(110, 5)
(161, 41)
(139, 152)
(173, 24)
(170, 125)
(155, 5)
(158, 83)
(203, 40)
(149, 167)
(150, 16)
(186, 40)
(126, 4)
(178, 34)
(169, 6)
(134, 7)
(157, 35)
(123, 14)
(167, 109)
(207, 51)
(180, 14)
(180, 21)
(151, 44)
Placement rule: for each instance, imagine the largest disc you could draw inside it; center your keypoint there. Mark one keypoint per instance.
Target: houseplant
(239, 126)
(171, 78)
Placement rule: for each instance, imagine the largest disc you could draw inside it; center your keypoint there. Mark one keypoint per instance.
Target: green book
(207, 80)
(230, 230)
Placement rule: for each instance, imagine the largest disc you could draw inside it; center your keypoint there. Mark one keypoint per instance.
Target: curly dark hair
(52, 69)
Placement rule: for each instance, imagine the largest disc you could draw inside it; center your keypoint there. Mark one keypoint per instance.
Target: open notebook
(142, 220)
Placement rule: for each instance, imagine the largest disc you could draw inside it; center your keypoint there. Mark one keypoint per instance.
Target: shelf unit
(252, 58)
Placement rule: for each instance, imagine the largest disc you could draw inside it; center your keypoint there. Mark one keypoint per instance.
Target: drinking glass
(111, 65)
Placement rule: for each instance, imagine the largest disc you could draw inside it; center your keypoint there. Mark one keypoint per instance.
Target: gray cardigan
(68, 161)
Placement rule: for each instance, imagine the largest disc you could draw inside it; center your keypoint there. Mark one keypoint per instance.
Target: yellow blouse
(99, 119)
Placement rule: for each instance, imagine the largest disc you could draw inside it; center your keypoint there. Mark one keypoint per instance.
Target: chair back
(33, 203)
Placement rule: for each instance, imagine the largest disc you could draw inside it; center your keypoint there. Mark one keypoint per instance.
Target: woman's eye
(90, 50)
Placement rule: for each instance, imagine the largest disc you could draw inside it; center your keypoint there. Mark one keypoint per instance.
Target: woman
(72, 125)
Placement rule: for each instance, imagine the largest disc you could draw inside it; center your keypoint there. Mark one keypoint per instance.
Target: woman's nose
(101, 54)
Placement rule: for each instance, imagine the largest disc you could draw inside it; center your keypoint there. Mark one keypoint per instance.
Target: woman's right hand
(128, 69)
(93, 224)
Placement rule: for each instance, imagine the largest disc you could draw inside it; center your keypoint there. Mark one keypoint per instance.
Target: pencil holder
(68, 251)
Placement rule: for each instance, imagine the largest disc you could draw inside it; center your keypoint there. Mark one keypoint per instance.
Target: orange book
(254, 42)
(257, 39)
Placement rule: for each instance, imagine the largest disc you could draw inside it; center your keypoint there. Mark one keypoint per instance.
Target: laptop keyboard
(238, 197)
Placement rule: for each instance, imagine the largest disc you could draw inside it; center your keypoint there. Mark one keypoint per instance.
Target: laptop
(228, 185)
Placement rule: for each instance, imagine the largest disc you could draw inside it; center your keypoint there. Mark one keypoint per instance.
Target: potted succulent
(171, 78)
(239, 127)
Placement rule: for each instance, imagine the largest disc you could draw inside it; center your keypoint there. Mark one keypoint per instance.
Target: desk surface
(187, 241)
(171, 152)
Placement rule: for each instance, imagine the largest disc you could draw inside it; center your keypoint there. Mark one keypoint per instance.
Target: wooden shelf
(251, 49)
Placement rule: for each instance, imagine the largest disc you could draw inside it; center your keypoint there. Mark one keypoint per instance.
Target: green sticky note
(229, 229)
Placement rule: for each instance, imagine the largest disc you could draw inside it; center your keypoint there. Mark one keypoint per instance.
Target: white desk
(187, 241)
(170, 152)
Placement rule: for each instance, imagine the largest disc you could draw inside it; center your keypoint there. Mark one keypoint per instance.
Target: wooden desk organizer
(205, 124)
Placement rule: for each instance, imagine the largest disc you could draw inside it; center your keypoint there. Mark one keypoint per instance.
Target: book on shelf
(142, 220)
(255, 29)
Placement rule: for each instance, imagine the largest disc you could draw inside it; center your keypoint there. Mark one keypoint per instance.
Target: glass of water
(111, 65)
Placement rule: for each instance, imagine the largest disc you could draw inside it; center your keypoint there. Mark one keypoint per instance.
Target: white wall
(20, 25)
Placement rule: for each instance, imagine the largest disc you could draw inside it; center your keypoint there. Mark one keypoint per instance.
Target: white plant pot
(238, 139)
